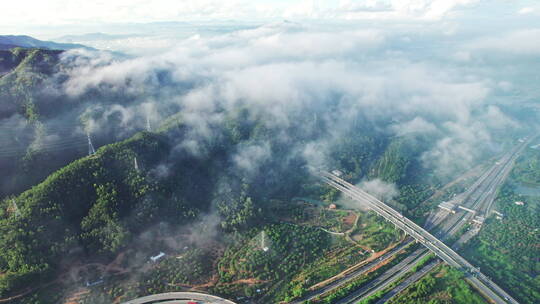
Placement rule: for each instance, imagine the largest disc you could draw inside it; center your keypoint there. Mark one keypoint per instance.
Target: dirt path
(5, 300)
(24, 293)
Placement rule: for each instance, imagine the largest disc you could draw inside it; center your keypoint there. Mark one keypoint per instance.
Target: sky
(45, 18)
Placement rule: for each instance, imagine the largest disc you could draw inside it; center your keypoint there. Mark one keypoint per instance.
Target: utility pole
(91, 150)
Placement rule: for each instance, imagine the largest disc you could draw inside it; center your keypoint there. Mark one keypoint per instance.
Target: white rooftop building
(448, 206)
(157, 257)
(337, 173)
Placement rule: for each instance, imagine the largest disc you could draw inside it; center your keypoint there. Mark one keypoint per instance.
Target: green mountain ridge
(12, 41)
(101, 202)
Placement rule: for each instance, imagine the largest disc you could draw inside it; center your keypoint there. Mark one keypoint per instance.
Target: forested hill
(101, 203)
(23, 72)
(95, 203)
(25, 108)
(42, 128)
(12, 41)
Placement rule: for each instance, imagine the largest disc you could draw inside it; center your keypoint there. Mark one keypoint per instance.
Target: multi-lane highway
(474, 198)
(480, 195)
(383, 280)
(353, 274)
(408, 281)
(483, 283)
(469, 199)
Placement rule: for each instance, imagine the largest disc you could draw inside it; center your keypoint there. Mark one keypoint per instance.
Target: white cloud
(418, 125)
(524, 41)
(249, 158)
(284, 70)
(526, 10)
(462, 56)
(380, 189)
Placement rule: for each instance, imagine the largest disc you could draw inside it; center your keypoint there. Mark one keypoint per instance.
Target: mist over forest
(284, 74)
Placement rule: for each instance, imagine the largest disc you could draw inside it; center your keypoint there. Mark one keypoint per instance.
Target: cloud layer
(284, 70)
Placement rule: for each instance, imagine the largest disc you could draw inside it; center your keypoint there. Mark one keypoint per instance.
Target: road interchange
(482, 282)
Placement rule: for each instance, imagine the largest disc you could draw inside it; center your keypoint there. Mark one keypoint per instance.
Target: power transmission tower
(16, 208)
(263, 245)
(91, 150)
(148, 127)
(136, 164)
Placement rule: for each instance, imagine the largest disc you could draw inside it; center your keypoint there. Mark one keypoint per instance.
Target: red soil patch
(76, 297)
(349, 219)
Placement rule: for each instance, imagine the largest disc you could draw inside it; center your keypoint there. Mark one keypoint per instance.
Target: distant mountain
(11, 41)
(91, 37)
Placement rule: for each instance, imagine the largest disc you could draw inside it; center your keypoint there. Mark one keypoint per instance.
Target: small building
(519, 203)
(498, 215)
(479, 220)
(157, 257)
(332, 206)
(337, 173)
(448, 206)
(90, 284)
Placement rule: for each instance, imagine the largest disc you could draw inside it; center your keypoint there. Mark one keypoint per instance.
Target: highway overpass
(483, 283)
(179, 297)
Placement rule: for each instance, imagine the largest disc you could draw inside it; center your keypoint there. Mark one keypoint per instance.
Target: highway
(179, 297)
(408, 281)
(383, 280)
(481, 195)
(484, 284)
(401, 269)
(352, 275)
(394, 273)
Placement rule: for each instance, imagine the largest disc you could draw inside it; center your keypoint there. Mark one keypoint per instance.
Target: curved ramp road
(179, 297)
